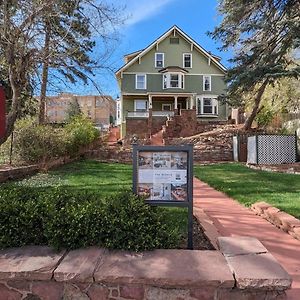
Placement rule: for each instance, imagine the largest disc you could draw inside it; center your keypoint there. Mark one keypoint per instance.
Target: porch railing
(163, 113)
(138, 114)
(145, 114)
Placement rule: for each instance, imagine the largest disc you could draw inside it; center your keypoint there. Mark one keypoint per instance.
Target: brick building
(100, 109)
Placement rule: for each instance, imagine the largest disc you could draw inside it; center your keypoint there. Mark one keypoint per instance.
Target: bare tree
(57, 36)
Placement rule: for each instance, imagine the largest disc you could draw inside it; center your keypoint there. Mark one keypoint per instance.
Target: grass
(249, 186)
(103, 179)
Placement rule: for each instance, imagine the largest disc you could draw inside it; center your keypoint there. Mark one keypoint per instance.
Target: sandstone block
(166, 268)
(132, 292)
(47, 290)
(98, 292)
(6, 293)
(232, 246)
(259, 271)
(31, 263)
(79, 265)
(203, 294)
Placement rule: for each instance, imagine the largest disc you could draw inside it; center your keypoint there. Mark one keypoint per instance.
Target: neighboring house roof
(138, 54)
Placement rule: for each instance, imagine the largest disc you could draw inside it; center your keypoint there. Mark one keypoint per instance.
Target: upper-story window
(187, 60)
(159, 60)
(207, 83)
(140, 82)
(173, 80)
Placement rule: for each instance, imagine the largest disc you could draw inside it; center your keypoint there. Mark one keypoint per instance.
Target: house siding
(174, 57)
(192, 84)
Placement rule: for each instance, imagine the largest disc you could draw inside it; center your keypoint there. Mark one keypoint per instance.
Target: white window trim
(163, 60)
(166, 104)
(181, 80)
(214, 104)
(208, 76)
(183, 55)
(136, 85)
(144, 100)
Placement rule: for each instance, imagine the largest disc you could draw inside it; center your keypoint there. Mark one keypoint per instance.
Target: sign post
(2, 112)
(164, 176)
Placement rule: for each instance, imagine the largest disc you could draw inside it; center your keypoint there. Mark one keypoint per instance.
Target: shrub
(265, 117)
(64, 219)
(81, 132)
(21, 218)
(74, 220)
(133, 225)
(36, 143)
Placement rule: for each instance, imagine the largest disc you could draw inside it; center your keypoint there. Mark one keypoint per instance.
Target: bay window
(173, 80)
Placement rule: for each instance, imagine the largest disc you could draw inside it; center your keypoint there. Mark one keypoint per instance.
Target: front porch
(175, 114)
(157, 105)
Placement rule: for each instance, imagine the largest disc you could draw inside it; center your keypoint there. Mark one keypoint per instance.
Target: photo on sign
(179, 160)
(145, 160)
(145, 190)
(162, 160)
(179, 192)
(160, 191)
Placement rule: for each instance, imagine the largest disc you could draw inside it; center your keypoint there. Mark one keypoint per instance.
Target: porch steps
(113, 136)
(157, 139)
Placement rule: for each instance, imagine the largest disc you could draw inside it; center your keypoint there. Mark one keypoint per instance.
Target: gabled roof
(139, 54)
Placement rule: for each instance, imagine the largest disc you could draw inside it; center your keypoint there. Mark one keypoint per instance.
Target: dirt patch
(201, 242)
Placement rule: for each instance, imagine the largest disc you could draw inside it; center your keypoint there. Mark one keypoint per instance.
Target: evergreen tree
(73, 110)
(262, 33)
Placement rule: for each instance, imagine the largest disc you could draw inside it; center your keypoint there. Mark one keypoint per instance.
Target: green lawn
(249, 186)
(102, 179)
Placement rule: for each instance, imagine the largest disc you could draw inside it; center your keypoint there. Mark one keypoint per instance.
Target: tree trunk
(255, 109)
(12, 116)
(44, 75)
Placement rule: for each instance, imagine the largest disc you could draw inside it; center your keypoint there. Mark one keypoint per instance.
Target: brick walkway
(232, 219)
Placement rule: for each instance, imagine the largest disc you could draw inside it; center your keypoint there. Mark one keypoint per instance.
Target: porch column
(150, 115)
(193, 102)
(150, 101)
(175, 105)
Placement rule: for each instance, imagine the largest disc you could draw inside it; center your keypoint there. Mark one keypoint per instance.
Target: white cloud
(139, 10)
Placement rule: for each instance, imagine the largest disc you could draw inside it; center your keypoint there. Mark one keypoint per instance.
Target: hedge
(63, 219)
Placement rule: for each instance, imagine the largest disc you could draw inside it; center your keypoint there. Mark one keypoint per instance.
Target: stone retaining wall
(14, 173)
(39, 273)
(280, 219)
(283, 168)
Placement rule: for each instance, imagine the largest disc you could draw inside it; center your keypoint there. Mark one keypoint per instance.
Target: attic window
(174, 40)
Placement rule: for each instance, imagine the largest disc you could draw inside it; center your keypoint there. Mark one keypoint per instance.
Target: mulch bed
(200, 241)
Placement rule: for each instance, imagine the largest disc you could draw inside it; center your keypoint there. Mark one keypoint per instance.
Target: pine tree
(263, 33)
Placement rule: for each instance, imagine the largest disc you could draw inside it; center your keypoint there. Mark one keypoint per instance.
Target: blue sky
(147, 20)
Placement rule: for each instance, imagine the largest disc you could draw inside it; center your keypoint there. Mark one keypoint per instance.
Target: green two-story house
(174, 84)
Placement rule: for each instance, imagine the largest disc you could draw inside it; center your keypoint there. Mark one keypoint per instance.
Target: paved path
(233, 219)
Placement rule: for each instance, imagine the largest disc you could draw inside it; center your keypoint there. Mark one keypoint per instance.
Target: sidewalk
(231, 219)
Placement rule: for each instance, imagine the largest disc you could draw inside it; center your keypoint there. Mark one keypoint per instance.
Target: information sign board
(164, 176)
